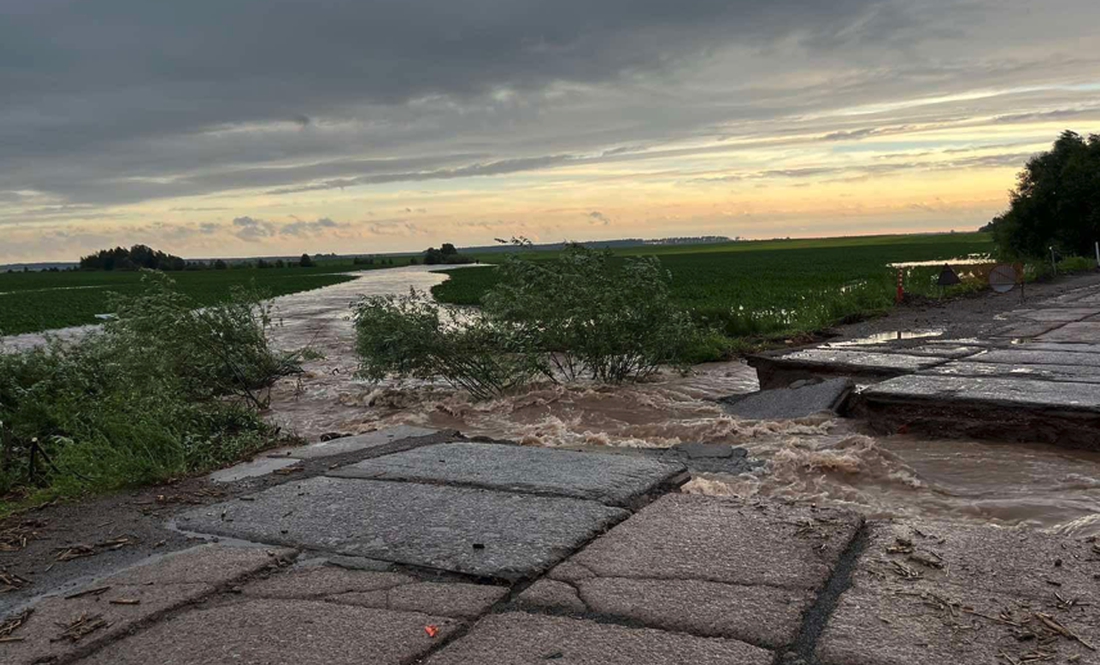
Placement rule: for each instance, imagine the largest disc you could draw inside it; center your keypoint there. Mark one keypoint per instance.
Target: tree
(220, 265)
(305, 261)
(447, 249)
(433, 256)
(135, 258)
(1056, 201)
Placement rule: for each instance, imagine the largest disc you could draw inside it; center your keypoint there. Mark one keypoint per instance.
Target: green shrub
(587, 315)
(412, 336)
(581, 316)
(165, 390)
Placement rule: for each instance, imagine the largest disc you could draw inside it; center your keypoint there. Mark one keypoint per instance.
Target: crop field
(772, 287)
(35, 301)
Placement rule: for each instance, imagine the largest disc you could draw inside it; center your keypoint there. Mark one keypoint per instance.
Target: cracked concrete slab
(791, 402)
(518, 638)
(989, 391)
(707, 566)
(611, 479)
(863, 360)
(464, 530)
(1071, 373)
(323, 581)
(381, 590)
(377, 440)
(1012, 561)
(1057, 314)
(265, 631)
(452, 599)
(894, 624)
(934, 593)
(762, 615)
(1024, 355)
(121, 602)
(1087, 332)
(251, 469)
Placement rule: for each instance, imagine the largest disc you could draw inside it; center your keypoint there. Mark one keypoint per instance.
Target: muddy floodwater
(824, 460)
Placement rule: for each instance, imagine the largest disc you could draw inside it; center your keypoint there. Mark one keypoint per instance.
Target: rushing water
(817, 460)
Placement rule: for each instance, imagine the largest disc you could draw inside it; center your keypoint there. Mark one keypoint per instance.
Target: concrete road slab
(251, 469)
(938, 348)
(1012, 562)
(452, 599)
(683, 536)
(708, 566)
(1024, 355)
(792, 402)
(112, 606)
(1024, 329)
(518, 639)
(611, 479)
(379, 439)
(382, 590)
(863, 360)
(317, 582)
(272, 632)
(934, 593)
(1055, 346)
(473, 531)
(1075, 333)
(548, 594)
(42, 638)
(893, 623)
(766, 616)
(1056, 314)
(955, 390)
(1072, 373)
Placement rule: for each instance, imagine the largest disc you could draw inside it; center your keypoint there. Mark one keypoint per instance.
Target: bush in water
(580, 316)
(412, 336)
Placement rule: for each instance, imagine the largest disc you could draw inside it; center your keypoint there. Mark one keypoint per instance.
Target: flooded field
(815, 460)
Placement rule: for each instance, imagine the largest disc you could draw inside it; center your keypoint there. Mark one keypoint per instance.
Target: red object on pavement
(432, 631)
(901, 288)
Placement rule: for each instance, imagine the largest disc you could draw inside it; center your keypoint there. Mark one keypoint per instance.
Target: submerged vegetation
(165, 389)
(583, 315)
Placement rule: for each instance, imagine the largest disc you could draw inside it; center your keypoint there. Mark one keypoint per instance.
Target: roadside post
(901, 287)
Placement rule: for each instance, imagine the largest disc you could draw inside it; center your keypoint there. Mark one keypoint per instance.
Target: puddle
(884, 337)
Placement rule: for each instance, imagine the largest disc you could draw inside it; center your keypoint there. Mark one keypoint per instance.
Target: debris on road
(12, 624)
(80, 551)
(81, 627)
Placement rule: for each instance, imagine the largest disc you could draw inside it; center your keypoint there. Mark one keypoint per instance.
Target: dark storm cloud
(117, 101)
(107, 78)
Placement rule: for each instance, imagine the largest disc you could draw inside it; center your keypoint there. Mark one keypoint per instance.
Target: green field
(775, 287)
(34, 301)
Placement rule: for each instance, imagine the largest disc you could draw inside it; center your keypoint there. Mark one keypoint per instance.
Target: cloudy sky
(251, 127)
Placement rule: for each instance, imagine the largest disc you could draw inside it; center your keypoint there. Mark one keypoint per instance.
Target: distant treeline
(135, 258)
(141, 257)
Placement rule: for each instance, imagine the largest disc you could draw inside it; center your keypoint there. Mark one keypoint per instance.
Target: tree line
(1055, 204)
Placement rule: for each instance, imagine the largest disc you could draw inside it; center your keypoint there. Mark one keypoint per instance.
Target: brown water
(816, 460)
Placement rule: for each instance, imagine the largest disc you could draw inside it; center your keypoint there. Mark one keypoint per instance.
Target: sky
(212, 128)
